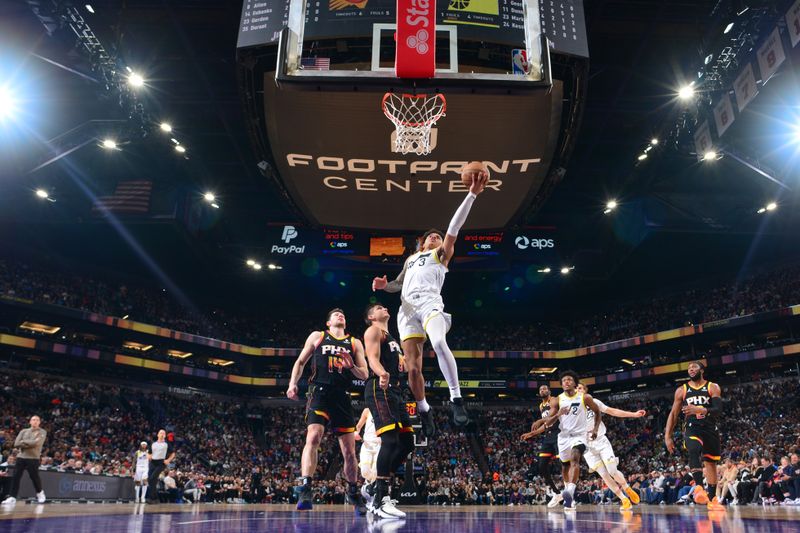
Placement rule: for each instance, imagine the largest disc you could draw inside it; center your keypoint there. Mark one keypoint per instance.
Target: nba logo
(519, 61)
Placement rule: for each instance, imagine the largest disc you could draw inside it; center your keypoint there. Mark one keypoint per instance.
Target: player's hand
(670, 444)
(358, 436)
(378, 284)
(291, 392)
(479, 181)
(693, 410)
(526, 436)
(347, 360)
(383, 381)
(563, 411)
(640, 413)
(593, 435)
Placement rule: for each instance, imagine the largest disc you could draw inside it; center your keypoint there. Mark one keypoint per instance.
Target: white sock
(423, 406)
(138, 490)
(144, 491)
(437, 333)
(570, 488)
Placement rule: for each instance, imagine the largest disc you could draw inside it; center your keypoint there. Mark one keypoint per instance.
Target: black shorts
(707, 439)
(548, 449)
(388, 407)
(330, 406)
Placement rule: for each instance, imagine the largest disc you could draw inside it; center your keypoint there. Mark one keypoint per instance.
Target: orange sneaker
(714, 505)
(626, 505)
(700, 496)
(632, 494)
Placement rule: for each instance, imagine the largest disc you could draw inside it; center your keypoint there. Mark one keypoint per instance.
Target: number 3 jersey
(424, 277)
(330, 359)
(575, 421)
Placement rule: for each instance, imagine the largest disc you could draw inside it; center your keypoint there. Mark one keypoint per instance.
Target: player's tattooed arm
(396, 285)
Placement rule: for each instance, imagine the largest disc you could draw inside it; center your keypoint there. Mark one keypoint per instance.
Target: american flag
(316, 63)
(129, 197)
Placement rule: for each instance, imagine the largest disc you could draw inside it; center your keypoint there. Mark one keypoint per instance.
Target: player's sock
(437, 331)
(381, 490)
(570, 488)
(422, 406)
(712, 491)
(138, 490)
(144, 492)
(697, 475)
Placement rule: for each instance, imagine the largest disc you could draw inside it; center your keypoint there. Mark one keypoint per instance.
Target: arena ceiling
(670, 207)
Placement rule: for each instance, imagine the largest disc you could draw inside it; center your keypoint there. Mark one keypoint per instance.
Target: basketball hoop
(413, 116)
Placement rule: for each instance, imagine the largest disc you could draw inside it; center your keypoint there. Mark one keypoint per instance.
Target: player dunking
(701, 403)
(422, 309)
(331, 352)
(600, 455)
(141, 473)
(548, 451)
(385, 401)
(574, 432)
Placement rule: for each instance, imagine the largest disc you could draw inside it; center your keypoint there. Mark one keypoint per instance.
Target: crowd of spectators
(229, 450)
(764, 291)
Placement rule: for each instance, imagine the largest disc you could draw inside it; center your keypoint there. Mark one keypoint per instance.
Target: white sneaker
(387, 509)
(555, 500)
(368, 498)
(735, 501)
(572, 507)
(40, 497)
(9, 501)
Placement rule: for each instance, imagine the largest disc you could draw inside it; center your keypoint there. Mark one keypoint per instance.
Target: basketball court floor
(206, 518)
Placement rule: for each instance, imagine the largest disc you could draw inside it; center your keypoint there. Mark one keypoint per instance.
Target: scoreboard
(492, 21)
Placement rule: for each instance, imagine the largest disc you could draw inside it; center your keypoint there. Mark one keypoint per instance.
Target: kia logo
(418, 42)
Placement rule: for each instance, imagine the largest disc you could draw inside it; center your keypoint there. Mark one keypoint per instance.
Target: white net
(413, 116)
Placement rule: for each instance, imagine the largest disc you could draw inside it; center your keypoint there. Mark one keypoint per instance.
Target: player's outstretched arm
(672, 419)
(300, 364)
(533, 433)
(396, 285)
(619, 413)
(445, 252)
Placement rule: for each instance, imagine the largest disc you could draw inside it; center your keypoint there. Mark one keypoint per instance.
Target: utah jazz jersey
(424, 275)
(574, 422)
(392, 359)
(601, 430)
(551, 435)
(699, 396)
(328, 365)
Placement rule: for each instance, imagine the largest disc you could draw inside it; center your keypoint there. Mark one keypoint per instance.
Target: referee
(158, 461)
(29, 441)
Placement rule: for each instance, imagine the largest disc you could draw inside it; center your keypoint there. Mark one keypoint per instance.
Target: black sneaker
(304, 498)
(428, 425)
(460, 417)
(357, 501)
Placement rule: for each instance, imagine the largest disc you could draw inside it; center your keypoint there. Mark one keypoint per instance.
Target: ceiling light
(627, 361)
(772, 206)
(109, 144)
(215, 206)
(250, 262)
(272, 266)
(165, 127)
(257, 266)
(606, 211)
(545, 270)
(174, 140)
(7, 104)
(89, 8)
(686, 92)
(711, 155)
(642, 157)
(180, 149)
(209, 197)
(612, 204)
(41, 193)
(708, 59)
(728, 28)
(654, 141)
(565, 270)
(762, 210)
(135, 80)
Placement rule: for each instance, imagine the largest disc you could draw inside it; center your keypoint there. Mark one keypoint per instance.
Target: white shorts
(368, 459)
(566, 443)
(599, 452)
(412, 319)
(141, 474)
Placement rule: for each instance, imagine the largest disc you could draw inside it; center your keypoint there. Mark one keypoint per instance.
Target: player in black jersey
(701, 403)
(548, 449)
(385, 401)
(335, 358)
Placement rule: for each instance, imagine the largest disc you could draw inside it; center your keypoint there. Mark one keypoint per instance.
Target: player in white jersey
(421, 311)
(142, 462)
(570, 409)
(600, 455)
(368, 456)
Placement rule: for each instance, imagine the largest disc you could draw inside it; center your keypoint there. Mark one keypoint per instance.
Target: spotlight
(257, 266)
(209, 197)
(545, 270)
(165, 127)
(109, 144)
(250, 262)
(180, 149)
(762, 210)
(642, 157)
(708, 59)
(272, 266)
(135, 80)
(654, 141)
(686, 92)
(711, 155)
(772, 206)
(89, 8)
(7, 104)
(728, 28)
(41, 193)
(174, 140)
(215, 206)
(565, 270)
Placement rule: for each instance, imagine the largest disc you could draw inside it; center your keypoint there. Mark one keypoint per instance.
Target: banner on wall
(723, 114)
(793, 23)
(745, 87)
(702, 139)
(770, 56)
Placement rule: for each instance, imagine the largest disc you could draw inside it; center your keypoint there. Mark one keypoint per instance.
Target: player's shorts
(704, 440)
(141, 474)
(548, 449)
(330, 406)
(413, 316)
(599, 452)
(368, 459)
(567, 442)
(388, 407)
